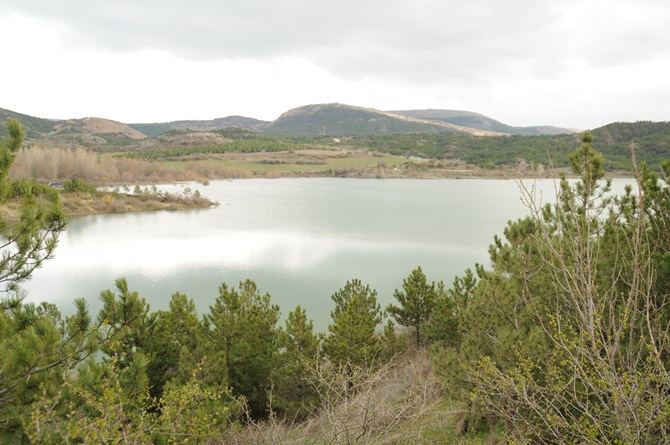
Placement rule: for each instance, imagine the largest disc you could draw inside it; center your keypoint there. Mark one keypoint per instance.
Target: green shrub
(77, 185)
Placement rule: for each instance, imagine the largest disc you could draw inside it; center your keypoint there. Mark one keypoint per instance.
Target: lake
(299, 239)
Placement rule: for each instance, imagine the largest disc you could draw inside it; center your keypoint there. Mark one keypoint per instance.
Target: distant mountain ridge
(479, 121)
(334, 119)
(425, 133)
(246, 123)
(337, 119)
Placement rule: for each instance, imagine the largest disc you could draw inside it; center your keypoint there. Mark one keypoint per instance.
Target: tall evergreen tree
(351, 339)
(242, 324)
(295, 397)
(657, 191)
(168, 333)
(417, 302)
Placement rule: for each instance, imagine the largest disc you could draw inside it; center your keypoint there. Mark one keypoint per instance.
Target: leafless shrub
(365, 405)
(47, 164)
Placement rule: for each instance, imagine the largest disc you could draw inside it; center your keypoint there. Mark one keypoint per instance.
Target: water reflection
(299, 239)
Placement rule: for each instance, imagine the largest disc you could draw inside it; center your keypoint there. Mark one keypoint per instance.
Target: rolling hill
(246, 123)
(340, 120)
(35, 127)
(478, 121)
(86, 131)
(440, 134)
(346, 120)
(335, 119)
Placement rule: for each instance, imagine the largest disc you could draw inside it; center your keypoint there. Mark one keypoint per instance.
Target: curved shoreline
(81, 204)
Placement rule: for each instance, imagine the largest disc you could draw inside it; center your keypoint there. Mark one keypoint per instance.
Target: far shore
(80, 204)
(109, 202)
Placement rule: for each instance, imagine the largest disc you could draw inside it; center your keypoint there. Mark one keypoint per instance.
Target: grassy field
(314, 165)
(303, 162)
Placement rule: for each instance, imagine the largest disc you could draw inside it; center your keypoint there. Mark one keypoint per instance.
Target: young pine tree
(295, 398)
(242, 324)
(351, 339)
(417, 302)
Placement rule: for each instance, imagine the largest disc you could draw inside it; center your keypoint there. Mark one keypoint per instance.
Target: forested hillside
(428, 134)
(340, 120)
(35, 127)
(651, 141)
(475, 120)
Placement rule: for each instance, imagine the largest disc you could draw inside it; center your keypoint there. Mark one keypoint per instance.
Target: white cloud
(522, 62)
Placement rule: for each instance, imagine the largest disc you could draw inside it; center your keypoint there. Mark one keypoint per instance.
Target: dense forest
(650, 139)
(563, 339)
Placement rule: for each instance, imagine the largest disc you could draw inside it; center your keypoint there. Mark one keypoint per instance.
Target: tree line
(651, 140)
(562, 339)
(258, 144)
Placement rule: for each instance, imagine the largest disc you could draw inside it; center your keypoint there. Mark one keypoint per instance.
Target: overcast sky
(571, 63)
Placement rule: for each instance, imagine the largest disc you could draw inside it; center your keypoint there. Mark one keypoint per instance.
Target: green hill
(481, 122)
(35, 127)
(246, 123)
(651, 141)
(341, 120)
(436, 134)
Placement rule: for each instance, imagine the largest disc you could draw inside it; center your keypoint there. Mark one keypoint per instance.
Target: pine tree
(417, 302)
(295, 397)
(351, 339)
(242, 324)
(29, 237)
(34, 340)
(602, 375)
(167, 334)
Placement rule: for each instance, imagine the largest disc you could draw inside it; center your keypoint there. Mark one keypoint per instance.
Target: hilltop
(345, 120)
(478, 121)
(334, 119)
(74, 132)
(246, 123)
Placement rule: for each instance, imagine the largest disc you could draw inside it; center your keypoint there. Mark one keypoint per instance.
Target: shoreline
(83, 204)
(77, 204)
(474, 173)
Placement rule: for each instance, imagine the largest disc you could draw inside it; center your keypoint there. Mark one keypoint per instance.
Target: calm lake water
(298, 239)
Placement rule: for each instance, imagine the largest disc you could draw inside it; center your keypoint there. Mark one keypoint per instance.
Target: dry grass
(397, 403)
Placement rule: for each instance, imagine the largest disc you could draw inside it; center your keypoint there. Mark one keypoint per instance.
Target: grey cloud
(619, 33)
(421, 41)
(204, 29)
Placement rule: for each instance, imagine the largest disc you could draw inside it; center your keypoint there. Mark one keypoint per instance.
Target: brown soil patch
(96, 125)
